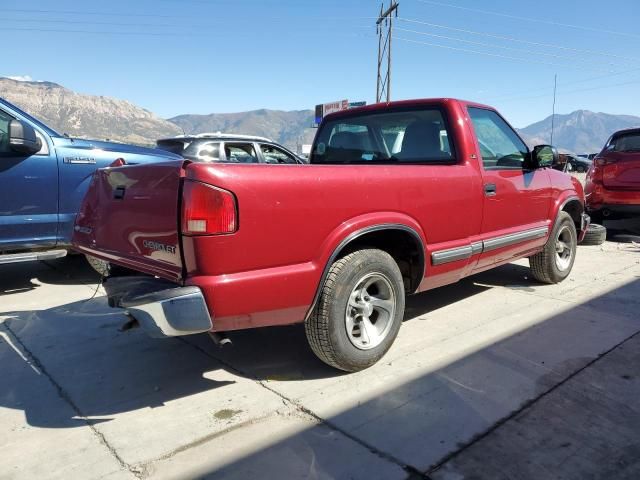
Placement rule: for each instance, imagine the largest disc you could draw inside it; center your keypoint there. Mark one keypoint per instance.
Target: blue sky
(206, 56)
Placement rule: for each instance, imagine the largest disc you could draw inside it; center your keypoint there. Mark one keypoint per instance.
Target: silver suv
(229, 148)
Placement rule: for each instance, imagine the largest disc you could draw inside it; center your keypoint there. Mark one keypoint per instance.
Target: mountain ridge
(581, 131)
(289, 128)
(89, 116)
(101, 117)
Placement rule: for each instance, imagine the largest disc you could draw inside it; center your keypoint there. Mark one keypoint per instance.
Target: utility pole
(384, 49)
(553, 111)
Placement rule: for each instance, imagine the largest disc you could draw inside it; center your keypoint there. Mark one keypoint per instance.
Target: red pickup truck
(398, 198)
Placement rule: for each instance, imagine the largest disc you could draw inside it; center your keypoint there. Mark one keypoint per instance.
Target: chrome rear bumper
(162, 308)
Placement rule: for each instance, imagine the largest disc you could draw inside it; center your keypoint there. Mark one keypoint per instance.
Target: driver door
(28, 195)
(516, 201)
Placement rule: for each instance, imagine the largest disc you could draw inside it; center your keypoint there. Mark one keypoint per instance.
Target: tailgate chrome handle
(118, 193)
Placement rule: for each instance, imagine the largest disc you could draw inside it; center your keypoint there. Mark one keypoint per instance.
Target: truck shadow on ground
(429, 414)
(79, 347)
(107, 371)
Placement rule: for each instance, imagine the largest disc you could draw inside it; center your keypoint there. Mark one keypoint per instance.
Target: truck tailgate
(130, 217)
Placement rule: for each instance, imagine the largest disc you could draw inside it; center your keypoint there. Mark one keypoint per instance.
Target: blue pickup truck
(43, 178)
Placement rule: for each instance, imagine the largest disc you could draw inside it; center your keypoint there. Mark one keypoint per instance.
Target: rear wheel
(359, 311)
(554, 263)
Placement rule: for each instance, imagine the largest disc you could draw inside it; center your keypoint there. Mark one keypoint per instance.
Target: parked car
(228, 148)
(613, 183)
(43, 178)
(575, 163)
(339, 243)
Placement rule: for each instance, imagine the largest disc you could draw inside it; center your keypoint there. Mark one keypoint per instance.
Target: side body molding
(467, 251)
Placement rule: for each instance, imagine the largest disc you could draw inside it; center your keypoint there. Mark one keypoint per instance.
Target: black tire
(596, 235)
(551, 266)
(326, 328)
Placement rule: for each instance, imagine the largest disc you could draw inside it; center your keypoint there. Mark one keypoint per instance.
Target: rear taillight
(595, 173)
(602, 161)
(207, 210)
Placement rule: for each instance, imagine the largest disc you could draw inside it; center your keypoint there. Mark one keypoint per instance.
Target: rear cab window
(417, 135)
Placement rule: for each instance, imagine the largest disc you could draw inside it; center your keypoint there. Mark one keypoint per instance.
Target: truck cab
(43, 178)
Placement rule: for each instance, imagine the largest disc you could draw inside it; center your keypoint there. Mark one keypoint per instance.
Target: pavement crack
(526, 405)
(33, 360)
(412, 471)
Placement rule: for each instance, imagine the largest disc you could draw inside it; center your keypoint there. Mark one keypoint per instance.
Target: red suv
(613, 182)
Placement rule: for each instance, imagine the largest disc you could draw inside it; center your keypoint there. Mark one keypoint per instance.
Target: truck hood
(111, 147)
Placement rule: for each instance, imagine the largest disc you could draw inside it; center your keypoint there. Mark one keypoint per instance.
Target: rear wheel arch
(402, 242)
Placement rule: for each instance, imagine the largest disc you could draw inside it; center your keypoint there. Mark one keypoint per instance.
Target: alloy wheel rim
(370, 311)
(564, 250)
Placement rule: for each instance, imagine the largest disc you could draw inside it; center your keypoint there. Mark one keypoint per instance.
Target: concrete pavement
(477, 366)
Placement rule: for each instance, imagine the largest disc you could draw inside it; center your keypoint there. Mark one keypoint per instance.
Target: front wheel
(554, 263)
(359, 311)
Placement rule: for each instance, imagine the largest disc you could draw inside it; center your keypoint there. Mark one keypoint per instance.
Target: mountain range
(581, 131)
(86, 116)
(101, 117)
(288, 128)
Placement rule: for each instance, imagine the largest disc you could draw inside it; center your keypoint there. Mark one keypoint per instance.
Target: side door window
(5, 149)
(500, 146)
(240, 153)
(5, 119)
(273, 154)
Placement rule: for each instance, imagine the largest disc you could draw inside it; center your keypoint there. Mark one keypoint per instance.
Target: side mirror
(23, 138)
(544, 156)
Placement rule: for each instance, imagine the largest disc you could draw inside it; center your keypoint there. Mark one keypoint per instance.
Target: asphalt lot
(494, 377)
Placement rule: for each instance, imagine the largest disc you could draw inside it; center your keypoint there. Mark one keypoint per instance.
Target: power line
(513, 39)
(553, 111)
(489, 54)
(528, 19)
(568, 92)
(153, 34)
(118, 24)
(493, 45)
(574, 82)
(173, 16)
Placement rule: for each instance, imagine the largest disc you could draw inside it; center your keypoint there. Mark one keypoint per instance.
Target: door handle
(118, 193)
(489, 189)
